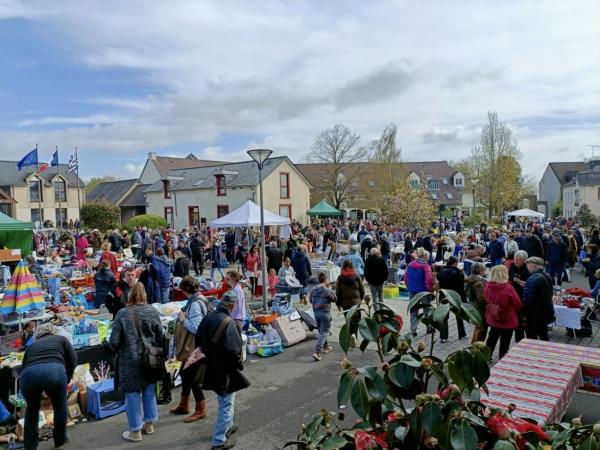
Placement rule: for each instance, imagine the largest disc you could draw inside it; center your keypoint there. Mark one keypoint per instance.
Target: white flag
(73, 163)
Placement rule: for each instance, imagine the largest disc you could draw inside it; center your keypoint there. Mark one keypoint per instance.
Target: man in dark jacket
(116, 241)
(220, 340)
(181, 266)
(450, 277)
(365, 247)
(376, 274)
(230, 245)
(533, 245)
(538, 308)
(164, 268)
(557, 257)
(183, 247)
(520, 239)
(274, 257)
(197, 248)
(301, 265)
(495, 250)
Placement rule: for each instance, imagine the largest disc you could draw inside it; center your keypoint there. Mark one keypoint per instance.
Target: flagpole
(59, 196)
(40, 189)
(78, 194)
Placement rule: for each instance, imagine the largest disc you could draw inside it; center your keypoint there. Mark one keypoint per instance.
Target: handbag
(153, 356)
(185, 342)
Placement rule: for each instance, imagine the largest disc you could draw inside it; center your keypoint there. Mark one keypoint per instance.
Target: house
(364, 183)
(583, 188)
(157, 167)
(128, 195)
(30, 196)
(556, 175)
(197, 195)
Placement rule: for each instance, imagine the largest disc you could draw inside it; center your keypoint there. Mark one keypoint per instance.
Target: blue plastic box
(103, 401)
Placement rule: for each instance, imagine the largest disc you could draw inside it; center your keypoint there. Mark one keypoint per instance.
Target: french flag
(53, 162)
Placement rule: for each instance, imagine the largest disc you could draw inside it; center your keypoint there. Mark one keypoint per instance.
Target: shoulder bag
(185, 342)
(153, 356)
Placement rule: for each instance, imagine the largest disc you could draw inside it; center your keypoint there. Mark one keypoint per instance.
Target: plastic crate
(266, 350)
(103, 401)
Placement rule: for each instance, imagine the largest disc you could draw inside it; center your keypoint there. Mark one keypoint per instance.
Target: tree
(339, 149)
(95, 181)
(147, 220)
(495, 168)
(101, 215)
(408, 207)
(585, 216)
(387, 157)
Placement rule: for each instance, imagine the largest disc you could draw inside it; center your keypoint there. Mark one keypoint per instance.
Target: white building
(195, 196)
(556, 175)
(584, 188)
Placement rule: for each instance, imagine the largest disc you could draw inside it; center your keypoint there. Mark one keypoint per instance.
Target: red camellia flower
(502, 425)
(369, 441)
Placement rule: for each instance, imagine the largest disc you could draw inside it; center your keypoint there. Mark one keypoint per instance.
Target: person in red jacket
(501, 312)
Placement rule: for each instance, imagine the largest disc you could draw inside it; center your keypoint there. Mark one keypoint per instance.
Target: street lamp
(260, 155)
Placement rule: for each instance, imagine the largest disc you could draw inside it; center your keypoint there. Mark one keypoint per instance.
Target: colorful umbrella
(22, 293)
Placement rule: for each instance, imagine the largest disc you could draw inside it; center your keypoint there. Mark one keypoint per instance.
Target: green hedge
(147, 220)
(101, 215)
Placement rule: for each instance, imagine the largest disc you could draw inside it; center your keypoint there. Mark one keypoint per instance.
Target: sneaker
(316, 356)
(148, 428)
(132, 436)
(232, 430)
(227, 445)
(328, 349)
(443, 341)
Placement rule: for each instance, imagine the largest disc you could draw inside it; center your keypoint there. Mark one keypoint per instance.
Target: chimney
(152, 156)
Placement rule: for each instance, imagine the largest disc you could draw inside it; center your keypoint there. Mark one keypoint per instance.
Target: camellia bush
(147, 220)
(101, 215)
(413, 400)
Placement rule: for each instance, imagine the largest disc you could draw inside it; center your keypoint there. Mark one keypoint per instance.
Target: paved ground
(287, 390)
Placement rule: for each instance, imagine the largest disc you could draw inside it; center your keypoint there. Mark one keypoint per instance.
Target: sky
(121, 79)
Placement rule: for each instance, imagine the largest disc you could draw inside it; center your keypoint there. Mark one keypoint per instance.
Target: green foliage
(101, 215)
(147, 220)
(394, 402)
(585, 216)
(95, 181)
(557, 209)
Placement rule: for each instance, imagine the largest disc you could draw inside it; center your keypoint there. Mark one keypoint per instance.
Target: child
(273, 281)
(321, 298)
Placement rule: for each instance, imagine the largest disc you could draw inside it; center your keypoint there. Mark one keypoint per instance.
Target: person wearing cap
(538, 309)
(557, 257)
(221, 341)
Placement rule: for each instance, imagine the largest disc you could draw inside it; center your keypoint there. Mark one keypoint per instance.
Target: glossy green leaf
(410, 361)
(363, 345)
(481, 368)
(463, 437)
(334, 442)
(431, 417)
(345, 388)
(439, 374)
(345, 338)
(441, 313)
(350, 313)
(453, 298)
(368, 328)
(313, 427)
(401, 433)
(375, 413)
(417, 299)
(463, 362)
(474, 419)
(401, 374)
(472, 313)
(368, 372)
(589, 444)
(456, 375)
(376, 387)
(503, 445)
(359, 399)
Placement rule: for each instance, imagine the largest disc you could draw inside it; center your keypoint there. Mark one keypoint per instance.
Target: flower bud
(426, 363)
(345, 364)
(596, 429)
(576, 422)
(421, 346)
(480, 345)
(385, 367)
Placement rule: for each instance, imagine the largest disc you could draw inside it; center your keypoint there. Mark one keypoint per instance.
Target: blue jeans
(50, 378)
(133, 407)
(224, 419)
(212, 273)
(323, 319)
(414, 312)
(164, 295)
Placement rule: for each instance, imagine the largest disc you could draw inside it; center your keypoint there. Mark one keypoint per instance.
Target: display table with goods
(540, 379)
(573, 310)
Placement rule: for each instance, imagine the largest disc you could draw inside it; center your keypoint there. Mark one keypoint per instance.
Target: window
(449, 195)
(35, 215)
(433, 185)
(371, 183)
(60, 190)
(222, 210)
(444, 180)
(193, 216)
(434, 196)
(169, 214)
(458, 181)
(285, 211)
(61, 216)
(35, 190)
(166, 189)
(221, 189)
(284, 185)
(414, 184)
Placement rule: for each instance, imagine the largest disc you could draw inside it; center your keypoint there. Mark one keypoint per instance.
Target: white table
(567, 317)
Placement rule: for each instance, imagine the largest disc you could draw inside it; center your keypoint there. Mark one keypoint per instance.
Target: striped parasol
(22, 293)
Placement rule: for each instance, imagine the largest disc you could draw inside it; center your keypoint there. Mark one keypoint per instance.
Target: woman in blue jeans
(136, 321)
(321, 298)
(48, 367)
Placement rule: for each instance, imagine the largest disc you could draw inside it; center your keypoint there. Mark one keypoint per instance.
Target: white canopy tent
(524, 213)
(248, 215)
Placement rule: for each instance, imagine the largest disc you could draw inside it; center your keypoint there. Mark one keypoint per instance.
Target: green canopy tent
(16, 234)
(324, 209)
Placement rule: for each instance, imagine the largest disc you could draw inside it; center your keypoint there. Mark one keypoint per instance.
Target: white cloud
(287, 70)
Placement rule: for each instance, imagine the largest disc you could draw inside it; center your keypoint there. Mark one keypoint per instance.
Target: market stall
(324, 209)
(248, 215)
(16, 238)
(525, 212)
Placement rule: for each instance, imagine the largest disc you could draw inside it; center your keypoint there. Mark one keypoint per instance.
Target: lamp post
(260, 155)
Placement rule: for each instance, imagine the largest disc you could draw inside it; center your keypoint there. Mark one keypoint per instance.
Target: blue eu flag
(30, 159)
